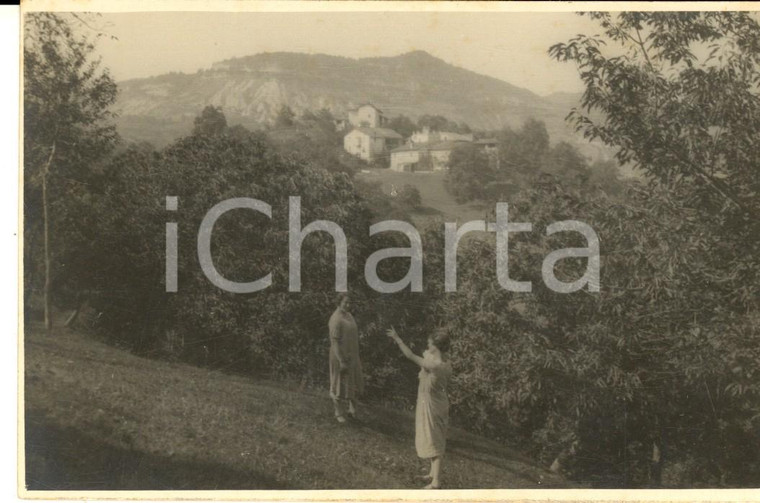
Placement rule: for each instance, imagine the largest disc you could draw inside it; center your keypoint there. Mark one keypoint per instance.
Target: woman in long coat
(346, 378)
(432, 411)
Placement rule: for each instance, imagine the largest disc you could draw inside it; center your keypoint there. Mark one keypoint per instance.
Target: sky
(511, 46)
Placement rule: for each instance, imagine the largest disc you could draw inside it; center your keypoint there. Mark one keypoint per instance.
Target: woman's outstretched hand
(391, 332)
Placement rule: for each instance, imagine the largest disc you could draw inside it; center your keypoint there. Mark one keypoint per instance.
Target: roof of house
(405, 148)
(446, 145)
(427, 129)
(366, 105)
(441, 145)
(452, 133)
(379, 132)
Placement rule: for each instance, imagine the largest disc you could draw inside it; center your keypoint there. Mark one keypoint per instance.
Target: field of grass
(100, 418)
(436, 201)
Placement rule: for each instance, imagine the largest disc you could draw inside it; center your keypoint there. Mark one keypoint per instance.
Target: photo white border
(113, 6)
(10, 228)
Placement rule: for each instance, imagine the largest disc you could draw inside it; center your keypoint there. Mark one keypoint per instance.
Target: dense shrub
(409, 196)
(219, 326)
(656, 361)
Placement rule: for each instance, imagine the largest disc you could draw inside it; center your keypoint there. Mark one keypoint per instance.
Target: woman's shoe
(431, 486)
(340, 419)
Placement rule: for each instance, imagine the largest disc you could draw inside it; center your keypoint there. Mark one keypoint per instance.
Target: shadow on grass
(393, 425)
(66, 459)
(466, 451)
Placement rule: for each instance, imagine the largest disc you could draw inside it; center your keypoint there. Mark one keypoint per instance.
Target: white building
(422, 158)
(489, 145)
(367, 115)
(371, 143)
(428, 136)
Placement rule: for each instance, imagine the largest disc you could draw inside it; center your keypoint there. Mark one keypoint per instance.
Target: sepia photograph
(450, 250)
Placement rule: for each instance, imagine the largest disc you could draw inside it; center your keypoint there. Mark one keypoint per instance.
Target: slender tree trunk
(31, 273)
(46, 240)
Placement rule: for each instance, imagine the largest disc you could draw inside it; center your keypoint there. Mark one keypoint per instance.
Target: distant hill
(252, 89)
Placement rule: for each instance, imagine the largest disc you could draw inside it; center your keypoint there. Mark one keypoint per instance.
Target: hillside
(437, 202)
(99, 418)
(252, 89)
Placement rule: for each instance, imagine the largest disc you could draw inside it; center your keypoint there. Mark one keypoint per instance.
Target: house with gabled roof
(428, 136)
(423, 157)
(367, 115)
(369, 143)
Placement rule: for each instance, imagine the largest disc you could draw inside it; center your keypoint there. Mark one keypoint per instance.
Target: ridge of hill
(252, 89)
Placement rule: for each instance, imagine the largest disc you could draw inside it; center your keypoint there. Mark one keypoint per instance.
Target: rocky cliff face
(252, 89)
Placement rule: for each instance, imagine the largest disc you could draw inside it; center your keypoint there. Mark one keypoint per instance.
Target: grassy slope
(100, 418)
(436, 201)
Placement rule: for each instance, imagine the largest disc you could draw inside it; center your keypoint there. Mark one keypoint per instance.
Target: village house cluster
(425, 150)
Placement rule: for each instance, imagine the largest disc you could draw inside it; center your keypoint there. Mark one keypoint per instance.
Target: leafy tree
(238, 131)
(382, 161)
(308, 116)
(535, 136)
(316, 146)
(469, 172)
(522, 151)
(522, 155)
(434, 122)
(441, 123)
(326, 116)
(684, 295)
(566, 162)
(410, 196)
(463, 127)
(681, 117)
(285, 117)
(271, 331)
(211, 121)
(325, 121)
(649, 365)
(403, 125)
(606, 174)
(67, 129)
(652, 381)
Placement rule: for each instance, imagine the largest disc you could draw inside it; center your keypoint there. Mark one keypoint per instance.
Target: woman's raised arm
(405, 349)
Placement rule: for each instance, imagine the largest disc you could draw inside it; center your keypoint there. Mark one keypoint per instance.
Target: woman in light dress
(346, 377)
(432, 412)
